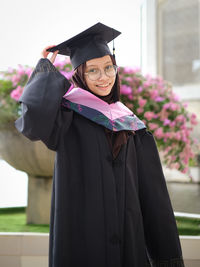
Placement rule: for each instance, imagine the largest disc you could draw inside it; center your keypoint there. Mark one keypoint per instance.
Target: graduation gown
(104, 212)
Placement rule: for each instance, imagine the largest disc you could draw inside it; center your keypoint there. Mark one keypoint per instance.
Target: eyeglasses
(95, 73)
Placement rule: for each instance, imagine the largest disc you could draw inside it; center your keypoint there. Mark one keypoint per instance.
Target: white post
(148, 37)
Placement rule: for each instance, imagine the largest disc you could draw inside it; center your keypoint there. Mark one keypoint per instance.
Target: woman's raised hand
(45, 53)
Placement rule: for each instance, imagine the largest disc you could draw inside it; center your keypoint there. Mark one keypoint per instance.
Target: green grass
(14, 220)
(187, 226)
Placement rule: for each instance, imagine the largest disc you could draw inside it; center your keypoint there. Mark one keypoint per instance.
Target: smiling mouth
(103, 85)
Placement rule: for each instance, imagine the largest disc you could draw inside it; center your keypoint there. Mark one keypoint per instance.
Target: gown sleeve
(42, 116)
(161, 233)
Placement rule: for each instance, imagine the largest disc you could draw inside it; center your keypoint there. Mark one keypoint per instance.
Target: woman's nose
(103, 75)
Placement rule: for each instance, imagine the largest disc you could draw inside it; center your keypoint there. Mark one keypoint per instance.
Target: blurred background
(160, 37)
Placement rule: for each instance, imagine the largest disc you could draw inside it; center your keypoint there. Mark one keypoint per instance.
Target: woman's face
(103, 85)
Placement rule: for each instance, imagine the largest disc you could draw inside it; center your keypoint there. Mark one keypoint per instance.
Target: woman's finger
(53, 57)
(44, 52)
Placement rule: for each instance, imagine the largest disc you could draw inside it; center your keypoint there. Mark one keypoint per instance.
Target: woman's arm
(42, 117)
(161, 234)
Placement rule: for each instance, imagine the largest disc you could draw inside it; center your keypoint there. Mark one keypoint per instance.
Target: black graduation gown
(104, 212)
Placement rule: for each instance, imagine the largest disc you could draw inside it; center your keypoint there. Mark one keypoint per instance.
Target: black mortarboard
(89, 44)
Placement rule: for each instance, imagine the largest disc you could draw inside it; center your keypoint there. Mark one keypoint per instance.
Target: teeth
(103, 85)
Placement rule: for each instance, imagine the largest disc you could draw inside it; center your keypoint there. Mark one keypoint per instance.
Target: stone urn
(37, 161)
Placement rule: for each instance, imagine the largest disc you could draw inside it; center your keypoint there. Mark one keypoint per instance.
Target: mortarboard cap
(89, 44)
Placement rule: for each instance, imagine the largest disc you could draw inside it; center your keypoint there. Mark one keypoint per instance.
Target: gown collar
(115, 116)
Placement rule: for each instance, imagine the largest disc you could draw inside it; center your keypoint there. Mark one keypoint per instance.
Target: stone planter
(37, 161)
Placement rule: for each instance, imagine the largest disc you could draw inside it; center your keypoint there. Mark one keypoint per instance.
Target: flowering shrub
(12, 83)
(151, 99)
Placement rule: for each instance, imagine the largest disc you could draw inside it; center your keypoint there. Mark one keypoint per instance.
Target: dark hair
(79, 80)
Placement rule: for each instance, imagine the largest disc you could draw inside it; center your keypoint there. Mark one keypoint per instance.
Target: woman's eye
(109, 67)
(93, 70)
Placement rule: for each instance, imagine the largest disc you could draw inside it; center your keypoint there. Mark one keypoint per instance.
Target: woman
(110, 204)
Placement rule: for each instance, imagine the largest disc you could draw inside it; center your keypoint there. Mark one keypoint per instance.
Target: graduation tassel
(113, 52)
(113, 46)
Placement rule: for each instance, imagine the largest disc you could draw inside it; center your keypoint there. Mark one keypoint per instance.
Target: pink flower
(168, 135)
(180, 118)
(193, 119)
(15, 79)
(125, 90)
(159, 99)
(154, 94)
(172, 124)
(173, 157)
(166, 122)
(159, 133)
(153, 126)
(178, 135)
(174, 106)
(166, 106)
(149, 115)
(185, 170)
(140, 89)
(176, 165)
(186, 159)
(147, 84)
(155, 116)
(16, 93)
(129, 79)
(142, 102)
(130, 97)
(140, 110)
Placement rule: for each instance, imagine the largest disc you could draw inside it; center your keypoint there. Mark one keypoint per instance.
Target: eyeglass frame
(115, 68)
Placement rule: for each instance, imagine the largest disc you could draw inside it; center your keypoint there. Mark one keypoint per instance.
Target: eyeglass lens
(95, 74)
